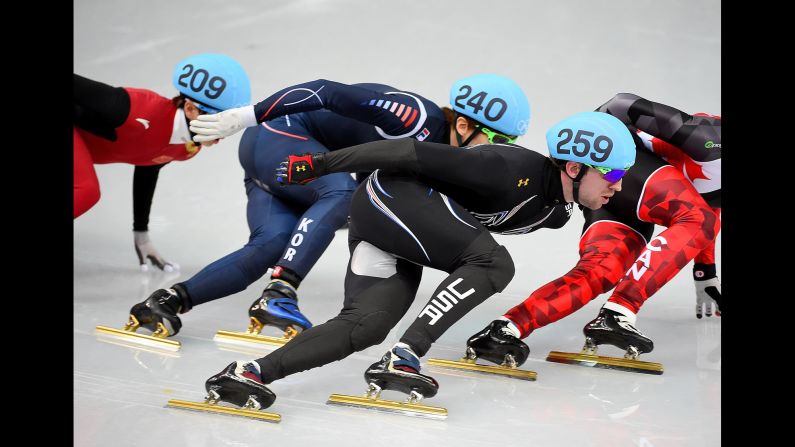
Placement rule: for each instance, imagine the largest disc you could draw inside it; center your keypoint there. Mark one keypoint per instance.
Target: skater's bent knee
(502, 269)
(371, 330)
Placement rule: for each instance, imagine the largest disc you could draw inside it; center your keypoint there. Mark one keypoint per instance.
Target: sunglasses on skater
(609, 174)
(496, 137)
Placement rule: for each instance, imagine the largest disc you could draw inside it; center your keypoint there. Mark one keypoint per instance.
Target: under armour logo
(300, 168)
(523, 182)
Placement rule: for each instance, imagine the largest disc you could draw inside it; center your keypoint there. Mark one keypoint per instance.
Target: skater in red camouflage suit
(699, 160)
(616, 247)
(142, 128)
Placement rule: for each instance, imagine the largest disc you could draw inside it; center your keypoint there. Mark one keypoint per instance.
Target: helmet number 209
(196, 80)
(476, 103)
(602, 145)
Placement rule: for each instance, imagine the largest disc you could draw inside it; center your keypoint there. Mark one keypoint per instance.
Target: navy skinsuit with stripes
(291, 226)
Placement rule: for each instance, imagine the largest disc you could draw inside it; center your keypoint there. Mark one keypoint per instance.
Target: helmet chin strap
(576, 183)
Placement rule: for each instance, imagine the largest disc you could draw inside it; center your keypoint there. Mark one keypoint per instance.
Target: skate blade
(598, 361)
(220, 409)
(137, 346)
(488, 369)
(147, 340)
(248, 337)
(389, 406)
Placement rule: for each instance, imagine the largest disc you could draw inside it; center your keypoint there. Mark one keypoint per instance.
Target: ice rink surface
(569, 56)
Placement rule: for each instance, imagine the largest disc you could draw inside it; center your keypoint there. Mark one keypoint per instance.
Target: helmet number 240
(602, 145)
(196, 81)
(476, 103)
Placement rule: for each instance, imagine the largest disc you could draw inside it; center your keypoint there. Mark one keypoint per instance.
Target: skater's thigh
(608, 246)
(602, 215)
(378, 284)
(266, 213)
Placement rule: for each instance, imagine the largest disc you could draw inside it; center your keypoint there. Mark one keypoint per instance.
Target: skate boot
(399, 370)
(158, 313)
(239, 384)
(497, 344)
(278, 306)
(611, 328)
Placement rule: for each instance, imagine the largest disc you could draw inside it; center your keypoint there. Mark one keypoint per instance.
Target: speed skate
(211, 405)
(238, 384)
(278, 306)
(507, 367)
(495, 344)
(253, 334)
(128, 333)
(611, 328)
(371, 400)
(398, 370)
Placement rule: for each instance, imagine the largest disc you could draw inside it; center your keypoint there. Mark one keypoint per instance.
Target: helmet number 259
(196, 80)
(602, 145)
(476, 103)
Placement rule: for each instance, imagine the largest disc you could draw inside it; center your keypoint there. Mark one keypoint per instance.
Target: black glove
(300, 169)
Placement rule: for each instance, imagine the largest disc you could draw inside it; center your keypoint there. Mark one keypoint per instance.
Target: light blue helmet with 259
(494, 101)
(594, 138)
(215, 82)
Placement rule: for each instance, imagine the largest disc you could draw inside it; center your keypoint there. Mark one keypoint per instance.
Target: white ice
(569, 56)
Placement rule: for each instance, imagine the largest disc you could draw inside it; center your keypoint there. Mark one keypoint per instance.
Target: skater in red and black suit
(617, 250)
(692, 145)
(142, 128)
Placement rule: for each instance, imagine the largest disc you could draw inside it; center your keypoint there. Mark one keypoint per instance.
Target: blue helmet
(492, 100)
(595, 138)
(215, 82)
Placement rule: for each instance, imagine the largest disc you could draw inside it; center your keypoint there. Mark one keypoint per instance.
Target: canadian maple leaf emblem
(676, 157)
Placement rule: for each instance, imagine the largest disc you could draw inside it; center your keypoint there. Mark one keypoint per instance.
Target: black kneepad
(371, 330)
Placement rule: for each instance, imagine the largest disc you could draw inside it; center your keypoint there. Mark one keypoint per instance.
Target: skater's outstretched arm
(697, 135)
(483, 168)
(99, 108)
(144, 183)
(394, 114)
